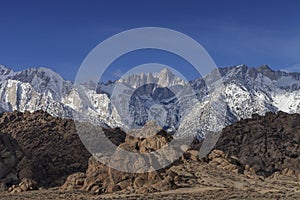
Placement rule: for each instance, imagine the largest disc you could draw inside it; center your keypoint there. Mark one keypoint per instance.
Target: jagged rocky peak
(244, 73)
(44, 80)
(276, 75)
(4, 71)
(224, 70)
(238, 71)
(166, 73)
(267, 71)
(32, 74)
(164, 78)
(265, 68)
(167, 78)
(150, 77)
(134, 80)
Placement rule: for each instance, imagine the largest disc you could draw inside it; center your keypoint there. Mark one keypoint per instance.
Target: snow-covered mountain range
(164, 97)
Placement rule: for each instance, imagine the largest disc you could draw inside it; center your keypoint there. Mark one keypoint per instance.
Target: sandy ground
(181, 194)
(211, 183)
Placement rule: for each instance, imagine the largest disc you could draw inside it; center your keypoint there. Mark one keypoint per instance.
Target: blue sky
(60, 34)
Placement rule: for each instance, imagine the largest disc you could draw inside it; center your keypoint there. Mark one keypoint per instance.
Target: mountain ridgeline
(244, 91)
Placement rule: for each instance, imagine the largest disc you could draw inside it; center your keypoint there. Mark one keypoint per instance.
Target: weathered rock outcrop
(100, 178)
(253, 148)
(269, 144)
(52, 145)
(25, 185)
(10, 156)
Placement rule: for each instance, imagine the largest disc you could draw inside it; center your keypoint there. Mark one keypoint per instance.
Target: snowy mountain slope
(43, 89)
(162, 96)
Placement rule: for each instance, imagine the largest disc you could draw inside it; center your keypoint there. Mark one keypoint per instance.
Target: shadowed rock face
(10, 155)
(51, 144)
(267, 143)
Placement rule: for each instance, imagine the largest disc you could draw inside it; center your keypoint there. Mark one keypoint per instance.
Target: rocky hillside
(258, 154)
(252, 153)
(51, 147)
(269, 144)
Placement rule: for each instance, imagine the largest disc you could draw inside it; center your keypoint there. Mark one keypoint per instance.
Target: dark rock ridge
(267, 143)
